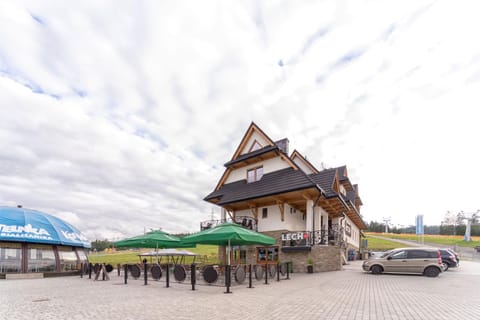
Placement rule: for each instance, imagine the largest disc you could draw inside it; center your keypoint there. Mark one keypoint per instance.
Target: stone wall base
(325, 258)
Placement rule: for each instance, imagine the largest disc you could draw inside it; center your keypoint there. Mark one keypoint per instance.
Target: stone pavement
(347, 294)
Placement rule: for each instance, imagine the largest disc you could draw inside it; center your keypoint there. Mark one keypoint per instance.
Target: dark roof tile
(251, 155)
(280, 181)
(325, 179)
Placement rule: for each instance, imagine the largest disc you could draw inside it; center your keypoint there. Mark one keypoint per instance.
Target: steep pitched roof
(238, 157)
(295, 154)
(251, 129)
(281, 181)
(325, 179)
(342, 172)
(252, 154)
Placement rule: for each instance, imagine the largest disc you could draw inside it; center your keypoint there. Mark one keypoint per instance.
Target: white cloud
(120, 116)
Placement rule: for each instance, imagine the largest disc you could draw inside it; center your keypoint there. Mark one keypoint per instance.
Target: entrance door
(238, 255)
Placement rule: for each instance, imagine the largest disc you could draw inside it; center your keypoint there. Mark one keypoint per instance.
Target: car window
(399, 255)
(386, 253)
(421, 254)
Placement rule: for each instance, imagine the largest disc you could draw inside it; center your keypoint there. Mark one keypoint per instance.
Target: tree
(450, 218)
(375, 226)
(100, 245)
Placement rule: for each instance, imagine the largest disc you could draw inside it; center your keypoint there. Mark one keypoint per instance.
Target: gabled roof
(357, 196)
(295, 154)
(325, 179)
(252, 128)
(342, 172)
(252, 154)
(351, 196)
(238, 157)
(281, 181)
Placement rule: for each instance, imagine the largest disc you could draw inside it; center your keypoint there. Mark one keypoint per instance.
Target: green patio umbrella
(154, 239)
(228, 234)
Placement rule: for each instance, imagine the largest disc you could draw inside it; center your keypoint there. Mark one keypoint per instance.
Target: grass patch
(430, 238)
(376, 244)
(208, 255)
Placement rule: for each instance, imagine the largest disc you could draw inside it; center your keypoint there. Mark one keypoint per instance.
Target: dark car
(456, 256)
(448, 259)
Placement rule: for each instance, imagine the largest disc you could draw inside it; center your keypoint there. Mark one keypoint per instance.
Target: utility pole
(470, 217)
(387, 221)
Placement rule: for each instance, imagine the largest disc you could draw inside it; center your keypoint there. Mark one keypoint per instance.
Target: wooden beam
(232, 216)
(306, 196)
(281, 206)
(255, 212)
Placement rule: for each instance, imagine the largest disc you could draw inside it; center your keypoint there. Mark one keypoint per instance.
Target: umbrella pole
(228, 270)
(228, 253)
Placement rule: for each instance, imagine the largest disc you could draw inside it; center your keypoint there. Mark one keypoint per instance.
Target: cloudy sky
(119, 116)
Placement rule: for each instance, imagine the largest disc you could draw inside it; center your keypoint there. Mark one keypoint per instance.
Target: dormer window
(343, 191)
(255, 146)
(254, 174)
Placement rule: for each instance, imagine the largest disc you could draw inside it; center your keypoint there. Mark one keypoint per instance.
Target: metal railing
(310, 238)
(194, 275)
(245, 221)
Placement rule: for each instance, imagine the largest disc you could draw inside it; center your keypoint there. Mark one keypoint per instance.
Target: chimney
(283, 145)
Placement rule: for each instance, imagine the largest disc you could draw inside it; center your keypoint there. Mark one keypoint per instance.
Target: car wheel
(376, 269)
(445, 266)
(431, 272)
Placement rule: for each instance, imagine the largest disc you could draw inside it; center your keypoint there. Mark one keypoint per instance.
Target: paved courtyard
(347, 294)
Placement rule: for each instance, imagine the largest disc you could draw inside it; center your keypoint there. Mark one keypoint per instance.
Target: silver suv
(426, 261)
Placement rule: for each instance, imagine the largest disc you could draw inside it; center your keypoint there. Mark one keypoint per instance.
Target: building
(36, 244)
(314, 214)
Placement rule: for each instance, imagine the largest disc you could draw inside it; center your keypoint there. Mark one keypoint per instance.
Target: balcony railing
(310, 238)
(204, 225)
(247, 222)
(244, 221)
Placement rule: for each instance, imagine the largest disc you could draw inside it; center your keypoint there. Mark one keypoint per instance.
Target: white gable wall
(269, 165)
(255, 136)
(293, 219)
(299, 162)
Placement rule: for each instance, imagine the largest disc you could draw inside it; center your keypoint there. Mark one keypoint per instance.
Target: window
(348, 229)
(264, 213)
(255, 146)
(68, 259)
(10, 257)
(82, 255)
(267, 254)
(41, 258)
(254, 174)
(421, 254)
(399, 255)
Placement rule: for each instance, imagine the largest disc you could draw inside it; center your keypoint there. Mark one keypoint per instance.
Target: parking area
(347, 294)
